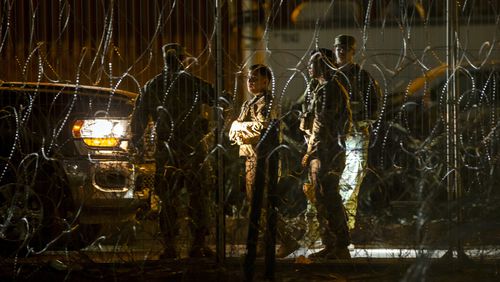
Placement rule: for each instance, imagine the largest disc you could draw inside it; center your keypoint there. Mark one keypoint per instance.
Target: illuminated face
(257, 83)
(314, 66)
(344, 55)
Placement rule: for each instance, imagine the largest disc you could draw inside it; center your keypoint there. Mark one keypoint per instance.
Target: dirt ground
(286, 270)
(140, 262)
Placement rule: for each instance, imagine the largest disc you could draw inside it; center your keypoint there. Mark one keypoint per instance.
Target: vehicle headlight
(101, 132)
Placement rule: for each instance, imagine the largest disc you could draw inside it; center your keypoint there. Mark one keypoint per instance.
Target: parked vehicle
(65, 164)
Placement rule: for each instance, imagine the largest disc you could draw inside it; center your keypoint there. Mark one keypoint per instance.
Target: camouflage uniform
(255, 111)
(173, 100)
(331, 122)
(364, 95)
(261, 170)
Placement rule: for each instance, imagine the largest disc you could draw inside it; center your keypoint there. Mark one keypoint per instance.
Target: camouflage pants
(175, 184)
(283, 233)
(353, 174)
(250, 176)
(324, 176)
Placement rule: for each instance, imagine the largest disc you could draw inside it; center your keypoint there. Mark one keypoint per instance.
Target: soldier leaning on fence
(325, 156)
(364, 95)
(174, 101)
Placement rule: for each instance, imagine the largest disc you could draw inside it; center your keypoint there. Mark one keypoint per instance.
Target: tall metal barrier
(247, 135)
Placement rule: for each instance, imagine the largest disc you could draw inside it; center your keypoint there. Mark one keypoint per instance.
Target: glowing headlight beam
(100, 132)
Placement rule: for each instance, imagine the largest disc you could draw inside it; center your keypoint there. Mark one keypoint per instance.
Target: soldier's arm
(263, 116)
(372, 95)
(141, 114)
(207, 92)
(318, 125)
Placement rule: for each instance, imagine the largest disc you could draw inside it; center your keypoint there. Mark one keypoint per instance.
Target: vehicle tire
(59, 224)
(35, 212)
(21, 212)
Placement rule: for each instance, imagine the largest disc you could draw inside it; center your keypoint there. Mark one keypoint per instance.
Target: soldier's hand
(305, 160)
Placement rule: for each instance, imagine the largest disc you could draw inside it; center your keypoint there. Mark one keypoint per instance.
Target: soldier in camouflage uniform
(364, 95)
(256, 132)
(325, 156)
(254, 118)
(173, 101)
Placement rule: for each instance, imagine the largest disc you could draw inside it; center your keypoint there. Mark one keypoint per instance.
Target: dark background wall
(107, 43)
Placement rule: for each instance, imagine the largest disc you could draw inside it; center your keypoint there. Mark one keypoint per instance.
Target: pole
(454, 189)
(219, 86)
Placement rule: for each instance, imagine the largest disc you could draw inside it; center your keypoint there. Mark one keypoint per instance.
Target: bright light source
(100, 132)
(118, 129)
(101, 142)
(97, 128)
